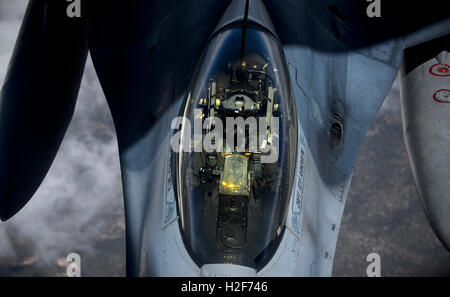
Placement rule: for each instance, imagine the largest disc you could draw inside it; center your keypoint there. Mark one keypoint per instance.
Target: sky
(79, 208)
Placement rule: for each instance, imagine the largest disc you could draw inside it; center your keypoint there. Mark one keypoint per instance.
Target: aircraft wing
(37, 99)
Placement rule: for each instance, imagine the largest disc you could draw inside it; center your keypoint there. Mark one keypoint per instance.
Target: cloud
(11, 14)
(67, 212)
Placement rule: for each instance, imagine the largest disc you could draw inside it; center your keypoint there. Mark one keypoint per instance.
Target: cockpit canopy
(234, 177)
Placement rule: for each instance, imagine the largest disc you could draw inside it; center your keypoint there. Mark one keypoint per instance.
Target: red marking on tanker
(440, 69)
(442, 96)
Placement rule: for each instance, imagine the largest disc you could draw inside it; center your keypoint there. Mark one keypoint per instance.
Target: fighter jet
(312, 74)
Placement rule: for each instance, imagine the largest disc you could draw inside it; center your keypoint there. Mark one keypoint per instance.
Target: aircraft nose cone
(226, 270)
